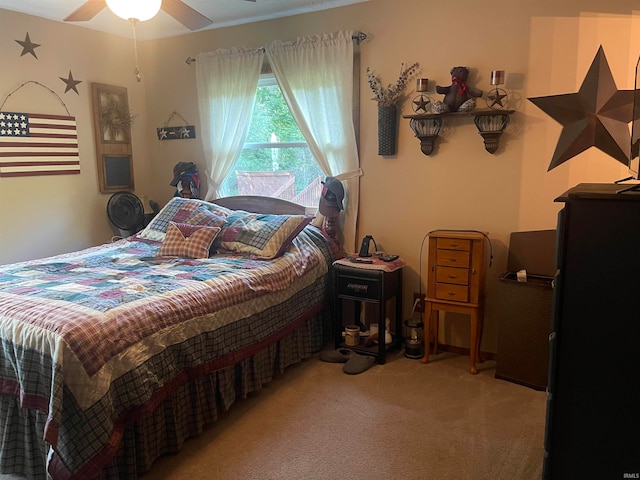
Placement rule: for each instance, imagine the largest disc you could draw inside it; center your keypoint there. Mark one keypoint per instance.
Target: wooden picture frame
(112, 130)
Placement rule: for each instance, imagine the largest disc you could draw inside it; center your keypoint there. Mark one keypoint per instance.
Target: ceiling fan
(183, 13)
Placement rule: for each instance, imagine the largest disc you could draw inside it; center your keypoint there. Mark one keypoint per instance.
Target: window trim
(276, 145)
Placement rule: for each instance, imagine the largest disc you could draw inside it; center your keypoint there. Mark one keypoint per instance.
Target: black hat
(180, 169)
(332, 187)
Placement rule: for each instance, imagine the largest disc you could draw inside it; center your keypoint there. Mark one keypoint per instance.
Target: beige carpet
(402, 420)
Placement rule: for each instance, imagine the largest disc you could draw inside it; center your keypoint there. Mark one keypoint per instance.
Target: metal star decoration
(28, 46)
(496, 97)
(71, 83)
(421, 103)
(598, 115)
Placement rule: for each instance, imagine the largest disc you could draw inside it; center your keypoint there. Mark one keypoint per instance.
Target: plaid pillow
(184, 210)
(264, 236)
(184, 240)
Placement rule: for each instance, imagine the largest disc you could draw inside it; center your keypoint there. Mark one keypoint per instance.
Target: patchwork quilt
(98, 336)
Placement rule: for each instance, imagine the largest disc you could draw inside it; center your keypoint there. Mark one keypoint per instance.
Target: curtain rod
(358, 38)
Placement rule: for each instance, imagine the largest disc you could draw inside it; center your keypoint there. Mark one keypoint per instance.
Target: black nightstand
(370, 283)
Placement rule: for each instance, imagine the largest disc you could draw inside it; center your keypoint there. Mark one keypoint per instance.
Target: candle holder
(497, 98)
(421, 103)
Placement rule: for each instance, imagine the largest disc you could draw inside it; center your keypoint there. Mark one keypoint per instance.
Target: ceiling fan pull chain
(136, 70)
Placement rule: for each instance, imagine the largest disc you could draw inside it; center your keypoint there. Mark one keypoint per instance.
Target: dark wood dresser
(593, 403)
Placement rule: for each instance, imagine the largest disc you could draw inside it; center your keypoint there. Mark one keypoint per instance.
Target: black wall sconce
(427, 128)
(490, 125)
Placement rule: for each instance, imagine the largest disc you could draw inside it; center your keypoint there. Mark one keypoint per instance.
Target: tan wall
(545, 47)
(45, 215)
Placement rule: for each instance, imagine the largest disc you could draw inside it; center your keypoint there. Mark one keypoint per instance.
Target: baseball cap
(180, 169)
(332, 195)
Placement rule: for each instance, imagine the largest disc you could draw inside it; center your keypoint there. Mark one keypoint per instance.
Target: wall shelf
(490, 124)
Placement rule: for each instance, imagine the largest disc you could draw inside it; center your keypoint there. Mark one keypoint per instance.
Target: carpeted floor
(402, 420)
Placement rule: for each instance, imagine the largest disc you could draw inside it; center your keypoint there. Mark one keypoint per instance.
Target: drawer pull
(451, 294)
(453, 277)
(357, 287)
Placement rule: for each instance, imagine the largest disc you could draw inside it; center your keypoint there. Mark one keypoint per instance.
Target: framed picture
(112, 129)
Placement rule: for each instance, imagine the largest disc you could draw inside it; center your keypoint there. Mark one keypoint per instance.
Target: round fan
(126, 212)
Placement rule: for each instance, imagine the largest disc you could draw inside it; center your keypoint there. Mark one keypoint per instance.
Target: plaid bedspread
(95, 336)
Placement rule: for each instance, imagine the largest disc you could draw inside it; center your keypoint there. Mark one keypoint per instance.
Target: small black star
(71, 83)
(422, 104)
(496, 97)
(597, 116)
(28, 46)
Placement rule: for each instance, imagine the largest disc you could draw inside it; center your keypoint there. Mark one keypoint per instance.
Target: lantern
(414, 338)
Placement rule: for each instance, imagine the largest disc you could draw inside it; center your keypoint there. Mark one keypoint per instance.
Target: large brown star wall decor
(28, 46)
(598, 115)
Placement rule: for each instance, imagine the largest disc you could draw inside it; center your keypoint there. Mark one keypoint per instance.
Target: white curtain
(315, 75)
(226, 81)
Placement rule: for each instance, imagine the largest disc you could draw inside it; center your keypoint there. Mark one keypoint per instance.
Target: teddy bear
(458, 97)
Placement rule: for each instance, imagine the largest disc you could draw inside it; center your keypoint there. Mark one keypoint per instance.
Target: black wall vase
(387, 129)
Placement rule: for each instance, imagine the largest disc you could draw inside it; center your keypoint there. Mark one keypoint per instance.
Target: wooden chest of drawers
(456, 266)
(455, 283)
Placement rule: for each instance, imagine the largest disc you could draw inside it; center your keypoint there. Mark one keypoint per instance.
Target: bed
(115, 355)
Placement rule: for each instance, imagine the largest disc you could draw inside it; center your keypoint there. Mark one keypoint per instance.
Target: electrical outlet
(420, 304)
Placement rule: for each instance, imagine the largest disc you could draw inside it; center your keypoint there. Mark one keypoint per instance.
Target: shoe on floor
(341, 355)
(358, 364)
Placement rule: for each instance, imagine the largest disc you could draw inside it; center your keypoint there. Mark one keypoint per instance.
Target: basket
(525, 318)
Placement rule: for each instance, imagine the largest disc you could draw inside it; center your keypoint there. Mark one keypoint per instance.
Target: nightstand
(456, 284)
(373, 283)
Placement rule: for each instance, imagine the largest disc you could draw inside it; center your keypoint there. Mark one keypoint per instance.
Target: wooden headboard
(259, 204)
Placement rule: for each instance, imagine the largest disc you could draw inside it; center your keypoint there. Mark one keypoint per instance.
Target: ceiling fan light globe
(139, 10)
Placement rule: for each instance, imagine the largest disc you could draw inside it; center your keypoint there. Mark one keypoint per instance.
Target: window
(275, 160)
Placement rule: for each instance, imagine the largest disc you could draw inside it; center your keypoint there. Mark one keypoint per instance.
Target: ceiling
(223, 13)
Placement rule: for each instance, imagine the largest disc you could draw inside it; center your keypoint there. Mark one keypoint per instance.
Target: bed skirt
(184, 413)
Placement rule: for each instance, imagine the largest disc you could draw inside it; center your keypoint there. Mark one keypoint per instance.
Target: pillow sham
(184, 240)
(184, 210)
(264, 236)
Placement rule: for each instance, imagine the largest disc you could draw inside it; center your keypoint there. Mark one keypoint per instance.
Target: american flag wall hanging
(38, 144)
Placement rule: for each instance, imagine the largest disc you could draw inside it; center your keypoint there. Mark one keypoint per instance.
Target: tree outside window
(275, 160)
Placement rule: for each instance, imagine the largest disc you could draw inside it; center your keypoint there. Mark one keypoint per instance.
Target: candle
(497, 77)
(422, 84)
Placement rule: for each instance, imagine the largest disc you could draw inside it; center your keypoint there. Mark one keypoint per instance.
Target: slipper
(358, 364)
(341, 355)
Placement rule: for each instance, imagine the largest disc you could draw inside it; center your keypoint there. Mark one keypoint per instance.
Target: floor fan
(126, 212)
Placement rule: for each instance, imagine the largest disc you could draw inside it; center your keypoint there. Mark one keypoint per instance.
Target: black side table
(370, 283)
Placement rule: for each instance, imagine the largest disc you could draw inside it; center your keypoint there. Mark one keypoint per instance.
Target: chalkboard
(118, 172)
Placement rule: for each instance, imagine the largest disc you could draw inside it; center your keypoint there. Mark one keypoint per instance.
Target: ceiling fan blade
(86, 11)
(186, 15)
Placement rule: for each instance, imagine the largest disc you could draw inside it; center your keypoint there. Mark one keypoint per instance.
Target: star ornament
(71, 83)
(421, 103)
(598, 115)
(28, 46)
(496, 97)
